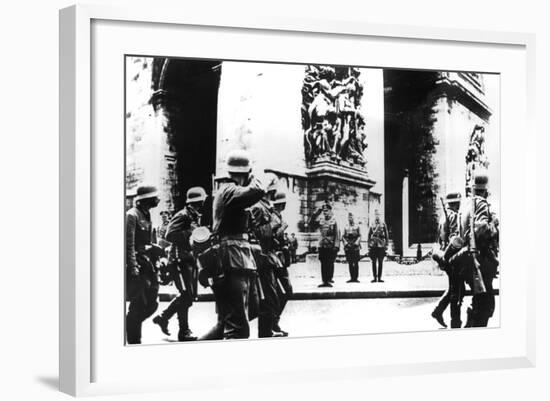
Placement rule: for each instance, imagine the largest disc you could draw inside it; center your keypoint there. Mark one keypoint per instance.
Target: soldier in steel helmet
(477, 211)
(448, 229)
(232, 290)
(141, 276)
(182, 263)
(281, 274)
(263, 230)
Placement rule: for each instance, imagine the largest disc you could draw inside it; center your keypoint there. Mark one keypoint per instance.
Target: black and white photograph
(272, 200)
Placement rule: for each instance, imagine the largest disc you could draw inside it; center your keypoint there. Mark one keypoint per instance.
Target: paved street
(327, 317)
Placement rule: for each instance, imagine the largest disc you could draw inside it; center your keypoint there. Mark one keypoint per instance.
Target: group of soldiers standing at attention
(244, 259)
(469, 246)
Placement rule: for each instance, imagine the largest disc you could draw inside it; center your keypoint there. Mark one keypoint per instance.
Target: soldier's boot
(162, 323)
(133, 330)
(277, 328)
(456, 323)
(469, 318)
(265, 327)
(163, 318)
(438, 316)
(184, 333)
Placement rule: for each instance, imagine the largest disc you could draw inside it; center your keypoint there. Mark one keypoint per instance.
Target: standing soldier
(141, 276)
(182, 263)
(448, 229)
(329, 242)
(160, 232)
(352, 246)
(378, 243)
(262, 227)
(281, 274)
(482, 249)
(230, 224)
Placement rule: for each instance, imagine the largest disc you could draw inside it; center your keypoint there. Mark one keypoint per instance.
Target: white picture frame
(79, 216)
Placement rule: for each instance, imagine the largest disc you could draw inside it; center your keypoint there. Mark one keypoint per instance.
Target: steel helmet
(480, 181)
(195, 194)
(146, 192)
(280, 197)
(238, 161)
(453, 197)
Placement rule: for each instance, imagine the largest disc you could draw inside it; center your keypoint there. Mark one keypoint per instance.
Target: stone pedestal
(347, 187)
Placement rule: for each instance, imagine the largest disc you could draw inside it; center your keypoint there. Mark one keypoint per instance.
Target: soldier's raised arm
(243, 197)
(314, 219)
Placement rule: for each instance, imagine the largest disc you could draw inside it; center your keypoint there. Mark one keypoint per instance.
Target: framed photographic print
(242, 189)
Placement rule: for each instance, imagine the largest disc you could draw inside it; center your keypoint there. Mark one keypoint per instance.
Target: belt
(234, 237)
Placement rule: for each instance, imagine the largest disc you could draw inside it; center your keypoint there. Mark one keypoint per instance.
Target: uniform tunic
(183, 265)
(232, 292)
(351, 237)
(483, 304)
(142, 289)
(262, 226)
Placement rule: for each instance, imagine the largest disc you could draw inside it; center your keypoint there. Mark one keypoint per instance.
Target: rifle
(478, 285)
(445, 242)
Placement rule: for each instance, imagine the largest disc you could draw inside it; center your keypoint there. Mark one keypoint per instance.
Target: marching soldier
(329, 242)
(262, 227)
(182, 263)
(232, 289)
(352, 246)
(141, 276)
(448, 229)
(483, 256)
(281, 274)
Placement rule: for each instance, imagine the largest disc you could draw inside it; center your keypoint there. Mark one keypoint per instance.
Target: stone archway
(186, 97)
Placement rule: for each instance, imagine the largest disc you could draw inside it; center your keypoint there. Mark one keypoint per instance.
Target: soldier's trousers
(352, 256)
(232, 295)
(482, 307)
(284, 289)
(377, 257)
(327, 257)
(269, 303)
(452, 297)
(142, 294)
(185, 283)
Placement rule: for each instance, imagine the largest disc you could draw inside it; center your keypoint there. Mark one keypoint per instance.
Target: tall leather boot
(133, 330)
(184, 333)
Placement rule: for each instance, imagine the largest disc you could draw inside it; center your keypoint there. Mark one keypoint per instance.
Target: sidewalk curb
(318, 295)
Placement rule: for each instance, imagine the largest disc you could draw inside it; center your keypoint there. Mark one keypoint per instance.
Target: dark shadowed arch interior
(192, 89)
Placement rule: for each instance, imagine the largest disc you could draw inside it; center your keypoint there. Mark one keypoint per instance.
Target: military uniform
(378, 242)
(483, 303)
(263, 230)
(453, 296)
(352, 246)
(281, 274)
(183, 268)
(141, 277)
(232, 291)
(329, 242)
